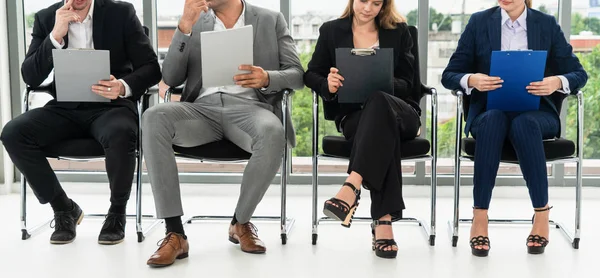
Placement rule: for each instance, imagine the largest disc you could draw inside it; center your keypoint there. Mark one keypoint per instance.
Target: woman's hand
(334, 80)
(546, 87)
(484, 83)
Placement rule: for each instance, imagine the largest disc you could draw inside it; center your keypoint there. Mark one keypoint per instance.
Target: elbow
(30, 78)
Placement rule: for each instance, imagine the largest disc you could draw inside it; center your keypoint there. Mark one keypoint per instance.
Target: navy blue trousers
(525, 131)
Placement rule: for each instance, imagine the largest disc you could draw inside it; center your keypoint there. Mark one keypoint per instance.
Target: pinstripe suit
(525, 130)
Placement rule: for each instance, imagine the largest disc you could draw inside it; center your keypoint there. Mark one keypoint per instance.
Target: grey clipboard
(76, 70)
(365, 71)
(223, 52)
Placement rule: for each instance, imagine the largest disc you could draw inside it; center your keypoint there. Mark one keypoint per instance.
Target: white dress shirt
(81, 36)
(237, 90)
(514, 37)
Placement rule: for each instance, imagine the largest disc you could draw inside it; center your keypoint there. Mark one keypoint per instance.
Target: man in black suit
(97, 24)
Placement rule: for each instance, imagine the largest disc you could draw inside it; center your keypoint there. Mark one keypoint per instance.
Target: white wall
(7, 175)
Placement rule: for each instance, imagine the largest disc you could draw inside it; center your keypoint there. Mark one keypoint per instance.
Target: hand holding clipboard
(334, 80)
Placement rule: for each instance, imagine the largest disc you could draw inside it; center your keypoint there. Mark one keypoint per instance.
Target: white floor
(340, 252)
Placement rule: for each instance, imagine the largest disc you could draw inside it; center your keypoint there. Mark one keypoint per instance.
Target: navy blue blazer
(483, 34)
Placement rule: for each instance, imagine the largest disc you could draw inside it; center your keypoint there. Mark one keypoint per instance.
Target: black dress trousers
(376, 132)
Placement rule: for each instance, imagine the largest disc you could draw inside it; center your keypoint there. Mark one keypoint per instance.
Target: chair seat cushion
(75, 148)
(555, 149)
(223, 150)
(340, 147)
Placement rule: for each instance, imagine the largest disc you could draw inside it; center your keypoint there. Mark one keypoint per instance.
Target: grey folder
(76, 70)
(222, 54)
(365, 71)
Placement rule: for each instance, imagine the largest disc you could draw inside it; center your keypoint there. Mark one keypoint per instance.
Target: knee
(492, 121)
(154, 118)
(11, 134)
(376, 98)
(121, 135)
(271, 135)
(524, 124)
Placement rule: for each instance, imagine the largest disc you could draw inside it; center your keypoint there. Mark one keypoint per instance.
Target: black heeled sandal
(340, 210)
(535, 250)
(379, 245)
(480, 241)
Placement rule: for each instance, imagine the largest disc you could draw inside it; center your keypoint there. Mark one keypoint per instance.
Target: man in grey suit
(248, 114)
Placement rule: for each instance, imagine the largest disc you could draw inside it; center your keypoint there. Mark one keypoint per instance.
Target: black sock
(61, 203)
(234, 220)
(120, 209)
(174, 225)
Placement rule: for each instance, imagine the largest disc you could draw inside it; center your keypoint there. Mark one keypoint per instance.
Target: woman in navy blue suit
(512, 26)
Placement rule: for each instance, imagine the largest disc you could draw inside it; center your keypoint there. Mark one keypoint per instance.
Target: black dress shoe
(113, 230)
(64, 224)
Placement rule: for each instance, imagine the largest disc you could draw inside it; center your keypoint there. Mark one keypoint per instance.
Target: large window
(585, 39)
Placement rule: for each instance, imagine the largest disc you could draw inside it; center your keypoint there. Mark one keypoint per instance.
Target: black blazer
(115, 28)
(338, 34)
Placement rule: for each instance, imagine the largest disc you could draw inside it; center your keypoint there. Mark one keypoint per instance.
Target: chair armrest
(43, 88)
(457, 93)
(428, 90)
(173, 91)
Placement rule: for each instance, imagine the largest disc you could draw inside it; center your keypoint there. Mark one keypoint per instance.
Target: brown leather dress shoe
(173, 247)
(246, 235)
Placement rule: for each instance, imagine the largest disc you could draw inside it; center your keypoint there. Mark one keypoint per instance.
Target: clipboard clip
(363, 51)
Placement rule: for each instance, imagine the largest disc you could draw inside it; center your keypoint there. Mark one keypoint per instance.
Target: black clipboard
(365, 71)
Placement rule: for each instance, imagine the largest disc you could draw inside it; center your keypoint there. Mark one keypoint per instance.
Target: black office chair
(416, 150)
(87, 150)
(226, 151)
(558, 151)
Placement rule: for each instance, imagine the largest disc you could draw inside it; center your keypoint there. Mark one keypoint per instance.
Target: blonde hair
(528, 3)
(389, 17)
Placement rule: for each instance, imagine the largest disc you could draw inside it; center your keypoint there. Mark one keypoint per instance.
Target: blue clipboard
(517, 69)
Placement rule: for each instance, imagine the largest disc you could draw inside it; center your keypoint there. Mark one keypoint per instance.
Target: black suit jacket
(115, 28)
(338, 34)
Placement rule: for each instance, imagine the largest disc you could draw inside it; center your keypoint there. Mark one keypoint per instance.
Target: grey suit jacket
(274, 51)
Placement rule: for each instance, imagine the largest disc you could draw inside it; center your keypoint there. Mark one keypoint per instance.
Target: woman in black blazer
(376, 127)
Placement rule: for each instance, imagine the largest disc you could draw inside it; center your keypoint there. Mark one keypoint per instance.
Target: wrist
(58, 39)
(267, 81)
(185, 26)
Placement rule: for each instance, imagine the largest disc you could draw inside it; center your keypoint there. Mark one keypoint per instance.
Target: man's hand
(546, 87)
(334, 80)
(64, 16)
(191, 13)
(256, 79)
(109, 89)
(484, 83)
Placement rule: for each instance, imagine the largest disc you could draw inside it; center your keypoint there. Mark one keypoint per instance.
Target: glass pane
(446, 24)
(585, 39)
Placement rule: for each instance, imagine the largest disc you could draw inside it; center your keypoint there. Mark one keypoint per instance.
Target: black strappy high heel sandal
(379, 245)
(340, 210)
(480, 241)
(535, 250)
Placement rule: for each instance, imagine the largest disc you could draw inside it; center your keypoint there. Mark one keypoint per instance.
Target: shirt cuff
(55, 43)
(464, 82)
(127, 89)
(566, 89)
